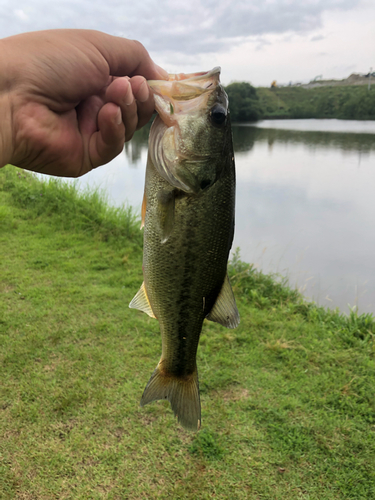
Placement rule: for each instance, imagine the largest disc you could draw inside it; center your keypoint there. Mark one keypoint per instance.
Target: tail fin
(182, 393)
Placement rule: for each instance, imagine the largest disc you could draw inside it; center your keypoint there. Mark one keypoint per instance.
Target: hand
(69, 99)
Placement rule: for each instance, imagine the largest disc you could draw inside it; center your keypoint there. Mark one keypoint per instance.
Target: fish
(188, 218)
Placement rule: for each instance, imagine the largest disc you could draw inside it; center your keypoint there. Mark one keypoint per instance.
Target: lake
(305, 203)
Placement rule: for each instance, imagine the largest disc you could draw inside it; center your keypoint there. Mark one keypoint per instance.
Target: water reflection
(304, 204)
(244, 138)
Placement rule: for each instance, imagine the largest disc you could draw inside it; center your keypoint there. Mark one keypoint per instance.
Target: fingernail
(164, 74)
(118, 117)
(129, 98)
(143, 92)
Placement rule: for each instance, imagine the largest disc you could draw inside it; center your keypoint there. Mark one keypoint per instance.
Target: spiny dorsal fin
(225, 309)
(141, 302)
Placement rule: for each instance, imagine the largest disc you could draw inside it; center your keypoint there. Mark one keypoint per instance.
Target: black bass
(188, 217)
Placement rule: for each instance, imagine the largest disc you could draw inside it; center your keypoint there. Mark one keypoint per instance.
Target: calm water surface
(305, 203)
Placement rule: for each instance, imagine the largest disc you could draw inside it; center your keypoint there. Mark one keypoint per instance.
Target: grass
(288, 398)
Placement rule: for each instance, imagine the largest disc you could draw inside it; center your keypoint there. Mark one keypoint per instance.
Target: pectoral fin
(141, 302)
(225, 309)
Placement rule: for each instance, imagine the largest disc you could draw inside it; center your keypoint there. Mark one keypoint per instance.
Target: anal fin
(141, 302)
(225, 309)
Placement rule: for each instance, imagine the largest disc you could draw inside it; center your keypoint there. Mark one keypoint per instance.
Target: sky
(252, 40)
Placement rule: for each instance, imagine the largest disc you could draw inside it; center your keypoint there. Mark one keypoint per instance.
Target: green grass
(288, 398)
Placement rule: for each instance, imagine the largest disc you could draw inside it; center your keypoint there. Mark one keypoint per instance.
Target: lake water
(305, 203)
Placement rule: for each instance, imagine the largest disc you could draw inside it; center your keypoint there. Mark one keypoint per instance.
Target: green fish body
(188, 231)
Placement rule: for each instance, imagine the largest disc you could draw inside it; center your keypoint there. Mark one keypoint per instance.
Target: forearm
(5, 130)
(6, 139)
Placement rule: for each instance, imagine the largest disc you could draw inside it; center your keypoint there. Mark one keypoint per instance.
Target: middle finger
(120, 92)
(144, 98)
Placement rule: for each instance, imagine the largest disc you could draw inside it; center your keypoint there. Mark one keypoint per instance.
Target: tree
(244, 103)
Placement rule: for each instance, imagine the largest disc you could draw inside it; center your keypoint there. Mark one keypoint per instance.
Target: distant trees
(249, 104)
(244, 103)
(360, 107)
(353, 103)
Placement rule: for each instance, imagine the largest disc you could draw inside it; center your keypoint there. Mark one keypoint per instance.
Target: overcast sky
(252, 40)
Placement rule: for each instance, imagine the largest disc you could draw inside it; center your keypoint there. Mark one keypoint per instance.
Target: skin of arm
(69, 99)
(5, 130)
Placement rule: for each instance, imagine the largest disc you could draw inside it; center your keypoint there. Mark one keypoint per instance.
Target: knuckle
(140, 48)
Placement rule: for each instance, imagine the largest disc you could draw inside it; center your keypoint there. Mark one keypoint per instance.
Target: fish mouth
(202, 79)
(195, 77)
(182, 93)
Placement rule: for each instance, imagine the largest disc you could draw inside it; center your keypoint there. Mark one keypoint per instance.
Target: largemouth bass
(188, 217)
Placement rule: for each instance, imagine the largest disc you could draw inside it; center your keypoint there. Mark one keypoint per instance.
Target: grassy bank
(288, 398)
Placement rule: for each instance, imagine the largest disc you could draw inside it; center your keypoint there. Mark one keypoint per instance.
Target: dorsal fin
(141, 302)
(225, 309)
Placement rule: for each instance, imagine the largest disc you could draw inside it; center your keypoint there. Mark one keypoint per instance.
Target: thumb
(124, 57)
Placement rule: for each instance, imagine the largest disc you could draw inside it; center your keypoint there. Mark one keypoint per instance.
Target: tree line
(248, 103)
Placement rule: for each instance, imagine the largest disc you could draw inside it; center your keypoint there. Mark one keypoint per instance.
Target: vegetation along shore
(351, 102)
(288, 397)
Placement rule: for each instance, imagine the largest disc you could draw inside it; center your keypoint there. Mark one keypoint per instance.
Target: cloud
(317, 38)
(200, 26)
(20, 14)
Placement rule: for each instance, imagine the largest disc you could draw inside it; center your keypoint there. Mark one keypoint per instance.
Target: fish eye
(218, 115)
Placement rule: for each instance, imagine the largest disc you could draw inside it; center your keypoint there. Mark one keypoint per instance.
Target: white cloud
(317, 38)
(21, 15)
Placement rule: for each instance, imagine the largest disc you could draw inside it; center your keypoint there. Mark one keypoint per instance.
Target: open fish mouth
(177, 83)
(195, 76)
(172, 96)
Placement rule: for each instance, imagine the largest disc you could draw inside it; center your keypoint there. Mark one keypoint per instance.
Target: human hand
(69, 99)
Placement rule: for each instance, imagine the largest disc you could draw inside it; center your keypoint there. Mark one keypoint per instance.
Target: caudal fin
(181, 392)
